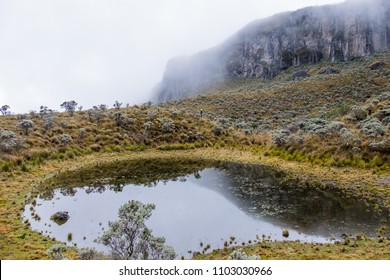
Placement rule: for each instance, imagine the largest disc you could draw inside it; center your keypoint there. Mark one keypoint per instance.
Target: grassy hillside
(128, 129)
(336, 119)
(320, 128)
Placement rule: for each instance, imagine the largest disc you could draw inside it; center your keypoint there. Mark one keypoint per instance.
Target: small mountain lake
(198, 203)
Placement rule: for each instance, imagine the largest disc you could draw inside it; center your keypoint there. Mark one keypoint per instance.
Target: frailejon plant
(25, 125)
(240, 255)
(130, 239)
(69, 106)
(9, 141)
(56, 251)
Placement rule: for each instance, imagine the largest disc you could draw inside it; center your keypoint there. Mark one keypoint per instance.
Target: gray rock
(376, 65)
(60, 217)
(268, 46)
(301, 74)
(328, 71)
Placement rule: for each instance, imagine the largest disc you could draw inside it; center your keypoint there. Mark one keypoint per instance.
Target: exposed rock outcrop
(266, 47)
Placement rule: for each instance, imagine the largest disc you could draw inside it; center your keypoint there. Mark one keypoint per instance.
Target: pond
(198, 203)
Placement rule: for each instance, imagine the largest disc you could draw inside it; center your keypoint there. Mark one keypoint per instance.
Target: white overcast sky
(99, 51)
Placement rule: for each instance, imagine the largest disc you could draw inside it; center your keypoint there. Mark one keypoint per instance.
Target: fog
(96, 52)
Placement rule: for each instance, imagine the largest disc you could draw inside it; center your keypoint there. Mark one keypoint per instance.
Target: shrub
(9, 141)
(167, 125)
(347, 137)
(152, 115)
(356, 150)
(4, 109)
(224, 122)
(373, 128)
(280, 137)
(117, 105)
(335, 127)
(119, 117)
(55, 252)
(386, 121)
(65, 139)
(82, 132)
(148, 125)
(130, 239)
(241, 125)
(69, 106)
(382, 114)
(64, 124)
(89, 254)
(130, 121)
(97, 113)
(44, 110)
(217, 130)
(385, 96)
(296, 139)
(5, 166)
(340, 110)
(240, 255)
(48, 121)
(312, 125)
(358, 113)
(24, 168)
(25, 125)
(378, 146)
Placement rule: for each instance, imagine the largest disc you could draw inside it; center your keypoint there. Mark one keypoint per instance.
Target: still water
(198, 204)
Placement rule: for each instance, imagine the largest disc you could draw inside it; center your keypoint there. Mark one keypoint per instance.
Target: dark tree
(69, 106)
(5, 110)
(117, 105)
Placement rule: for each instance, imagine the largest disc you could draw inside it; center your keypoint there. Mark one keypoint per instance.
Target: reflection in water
(216, 202)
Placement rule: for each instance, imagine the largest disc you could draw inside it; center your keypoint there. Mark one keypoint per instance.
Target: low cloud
(100, 51)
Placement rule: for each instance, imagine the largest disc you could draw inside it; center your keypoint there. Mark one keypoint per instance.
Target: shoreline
(18, 241)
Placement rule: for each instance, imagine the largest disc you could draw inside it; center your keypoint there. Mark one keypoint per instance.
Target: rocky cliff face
(266, 47)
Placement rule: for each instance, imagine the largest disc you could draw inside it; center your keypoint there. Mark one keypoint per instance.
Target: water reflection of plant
(129, 238)
(114, 176)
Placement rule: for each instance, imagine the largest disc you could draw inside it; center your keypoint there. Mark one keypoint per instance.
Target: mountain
(266, 47)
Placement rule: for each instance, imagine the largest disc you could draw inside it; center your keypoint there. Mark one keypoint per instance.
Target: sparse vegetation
(323, 127)
(241, 255)
(9, 141)
(69, 106)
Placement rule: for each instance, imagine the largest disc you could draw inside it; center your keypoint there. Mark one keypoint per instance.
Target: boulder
(329, 70)
(300, 75)
(266, 47)
(60, 217)
(377, 64)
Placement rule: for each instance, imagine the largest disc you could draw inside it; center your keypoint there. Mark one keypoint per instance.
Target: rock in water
(60, 217)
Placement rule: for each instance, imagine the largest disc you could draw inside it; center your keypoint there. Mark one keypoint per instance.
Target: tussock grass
(233, 123)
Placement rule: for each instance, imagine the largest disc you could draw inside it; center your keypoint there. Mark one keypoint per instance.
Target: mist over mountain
(265, 47)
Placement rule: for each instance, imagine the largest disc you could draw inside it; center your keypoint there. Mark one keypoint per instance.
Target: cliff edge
(265, 47)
